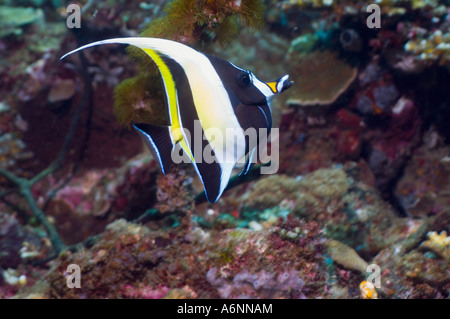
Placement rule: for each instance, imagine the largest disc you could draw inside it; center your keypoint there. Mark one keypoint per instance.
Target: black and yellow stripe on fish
(204, 89)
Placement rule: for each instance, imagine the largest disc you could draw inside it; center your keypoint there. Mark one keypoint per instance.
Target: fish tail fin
(159, 142)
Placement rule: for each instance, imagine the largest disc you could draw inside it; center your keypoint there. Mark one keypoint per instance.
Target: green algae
(199, 24)
(14, 19)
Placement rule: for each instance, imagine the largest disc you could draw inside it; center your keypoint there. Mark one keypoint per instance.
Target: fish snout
(280, 84)
(284, 83)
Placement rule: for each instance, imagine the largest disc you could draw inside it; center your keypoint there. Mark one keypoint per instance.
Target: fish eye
(244, 79)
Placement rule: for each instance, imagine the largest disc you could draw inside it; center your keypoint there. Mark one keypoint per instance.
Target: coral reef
(439, 243)
(14, 19)
(423, 189)
(13, 152)
(377, 93)
(434, 47)
(391, 149)
(262, 284)
(240, 265)
(174, 193)
(17, 242)
(347, 210)
(402, 273)
(332, 77)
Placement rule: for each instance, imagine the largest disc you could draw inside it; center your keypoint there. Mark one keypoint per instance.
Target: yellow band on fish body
(171, 93)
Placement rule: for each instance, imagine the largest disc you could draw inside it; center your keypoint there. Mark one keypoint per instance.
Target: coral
(11, 277)
(347, 134)
(173, 194)
(431, 47)
(145, 292)
(392, 145)
(350, 40)
(181, 293)
(304, 43)
(112, 16)
(413, 275)
(187, 19)
(61, 91)
(268, 191)
(326, 184)
(439, 243)
(309, 3)
(13, 152)
(306, 143)
(423, 188)
(332, 77)
(133, 102)
(377, 94)
(190, 22)
(89, 200)
(109, 71)
(53, 119)
(321, 185)
(368, 290)
(13, 19)
(123, 253)
(129, 199)
(263, 284)
(14, 237)
(391, 7)
(131, 261)
(379, 125)
(348, 210)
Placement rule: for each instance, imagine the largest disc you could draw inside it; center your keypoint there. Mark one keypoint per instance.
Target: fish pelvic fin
(249, 162)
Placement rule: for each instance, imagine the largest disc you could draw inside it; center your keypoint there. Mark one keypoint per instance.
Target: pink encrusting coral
(262, 284)
(241, 265)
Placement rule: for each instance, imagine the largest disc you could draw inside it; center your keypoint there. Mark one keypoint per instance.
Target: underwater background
(364, 153)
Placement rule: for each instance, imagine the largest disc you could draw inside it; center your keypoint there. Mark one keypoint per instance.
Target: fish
(209, 97)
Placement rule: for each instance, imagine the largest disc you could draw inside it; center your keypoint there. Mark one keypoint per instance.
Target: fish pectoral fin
(159, 142)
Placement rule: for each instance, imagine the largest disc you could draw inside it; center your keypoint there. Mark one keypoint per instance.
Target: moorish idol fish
(204, 89)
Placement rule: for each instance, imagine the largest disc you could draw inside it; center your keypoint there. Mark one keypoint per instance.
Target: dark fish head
(244, 87)
(255, 91)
